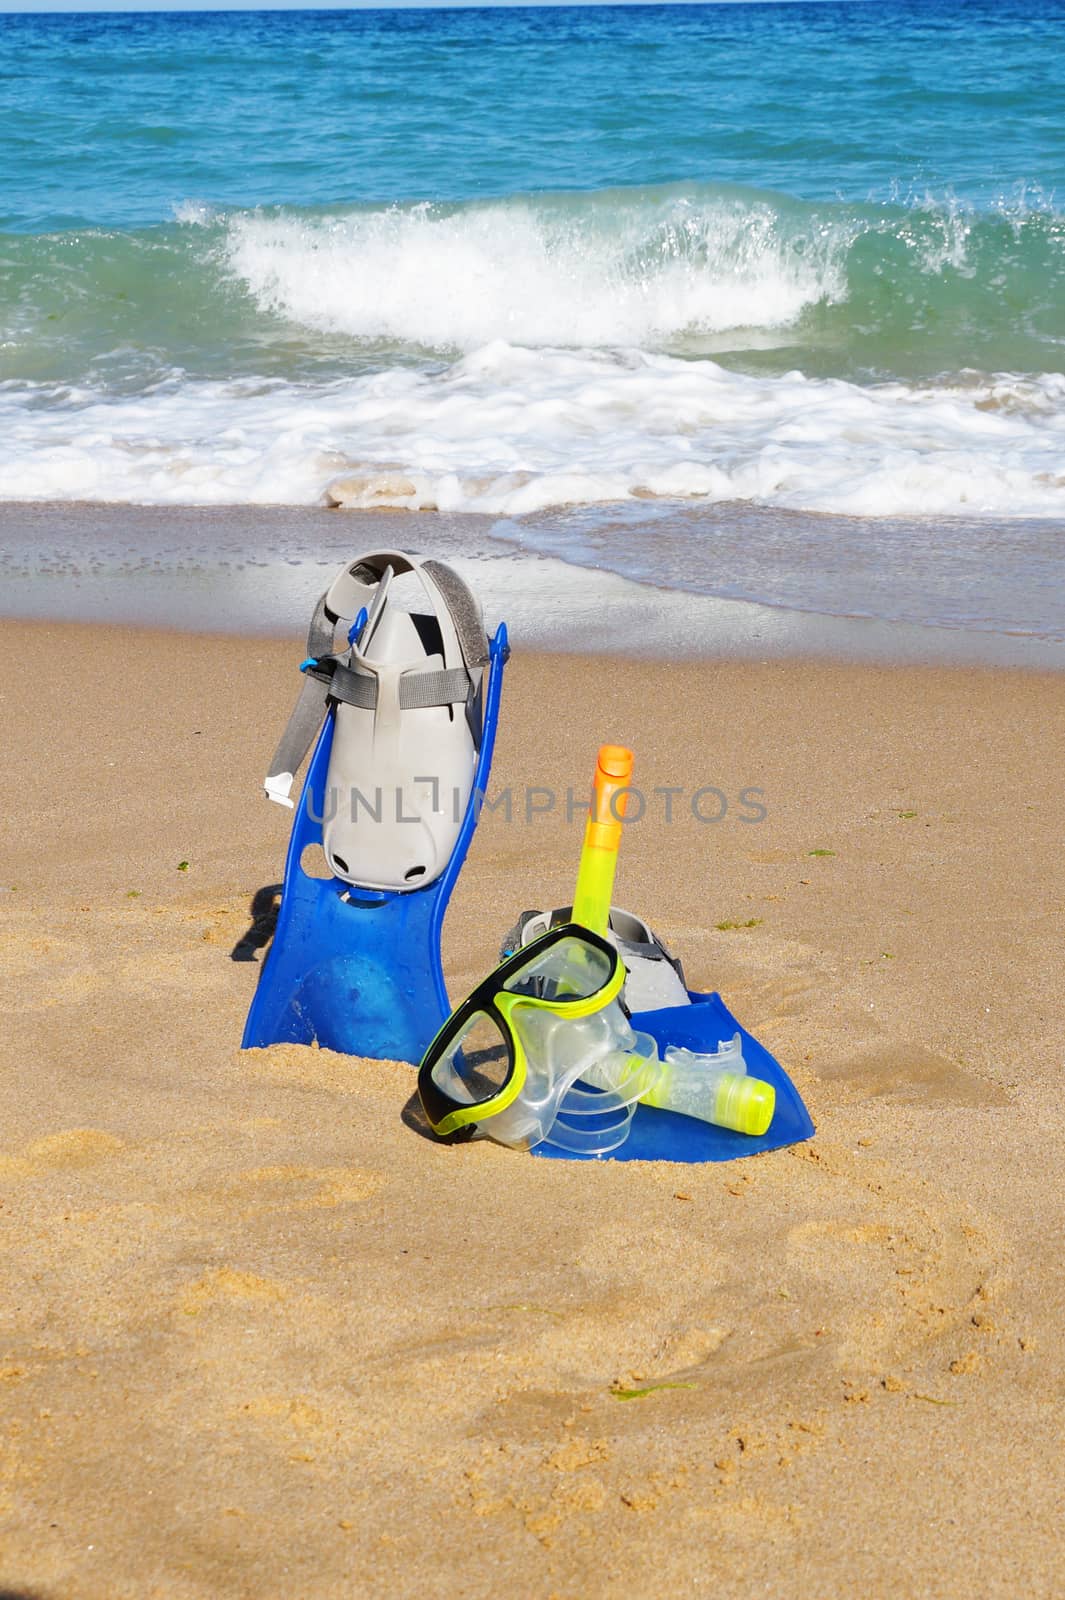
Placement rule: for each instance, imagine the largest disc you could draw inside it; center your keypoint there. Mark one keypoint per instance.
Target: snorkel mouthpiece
(744, 1104)
(602, 836)
(715, 1088)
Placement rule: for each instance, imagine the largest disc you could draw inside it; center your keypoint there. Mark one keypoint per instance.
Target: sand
(259, 1336)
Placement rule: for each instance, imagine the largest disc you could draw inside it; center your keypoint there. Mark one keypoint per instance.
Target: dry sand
(259, 1337)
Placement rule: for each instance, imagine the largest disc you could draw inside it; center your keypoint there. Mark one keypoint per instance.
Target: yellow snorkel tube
(602, 836)
(713, 1087)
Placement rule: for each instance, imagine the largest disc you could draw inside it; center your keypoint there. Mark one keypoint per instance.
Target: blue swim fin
(665, 1135)
(353, 969)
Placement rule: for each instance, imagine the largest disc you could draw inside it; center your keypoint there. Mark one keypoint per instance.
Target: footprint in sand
(41, 973)
(305, 1188)
(825, 1265)
(70, 1148)
(294, 1410)
(912, 1075)
(259, 1191)
(227, 1285)
(893, 1267)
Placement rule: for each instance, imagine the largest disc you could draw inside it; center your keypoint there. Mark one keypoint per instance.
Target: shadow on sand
(263, 913)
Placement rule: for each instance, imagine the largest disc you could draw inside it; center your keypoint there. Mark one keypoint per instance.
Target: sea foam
(511, 430)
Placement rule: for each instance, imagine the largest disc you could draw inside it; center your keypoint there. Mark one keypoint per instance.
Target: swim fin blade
(664, 1006)
(657, 1135)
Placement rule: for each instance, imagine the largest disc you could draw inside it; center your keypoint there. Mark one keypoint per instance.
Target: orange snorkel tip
(602, 836)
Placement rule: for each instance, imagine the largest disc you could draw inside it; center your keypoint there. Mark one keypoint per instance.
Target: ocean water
(808, 257)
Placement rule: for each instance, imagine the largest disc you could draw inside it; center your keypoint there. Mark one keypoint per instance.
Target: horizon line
(208, 7)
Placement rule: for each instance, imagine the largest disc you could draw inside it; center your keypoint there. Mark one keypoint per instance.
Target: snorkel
(713, 1087)
(543, 1050)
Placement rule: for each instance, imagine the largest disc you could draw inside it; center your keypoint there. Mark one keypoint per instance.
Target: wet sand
(730, 580)
(259, 1336)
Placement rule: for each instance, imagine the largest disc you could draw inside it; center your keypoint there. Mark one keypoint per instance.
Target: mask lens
(568, 970)
(475, 1065)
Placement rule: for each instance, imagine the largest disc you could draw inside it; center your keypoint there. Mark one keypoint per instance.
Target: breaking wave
(687, 341)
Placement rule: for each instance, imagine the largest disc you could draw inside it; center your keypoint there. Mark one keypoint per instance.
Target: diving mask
(506, 1063)
(543, 1051)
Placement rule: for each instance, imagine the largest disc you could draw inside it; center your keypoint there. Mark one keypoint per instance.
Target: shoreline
(257, 572)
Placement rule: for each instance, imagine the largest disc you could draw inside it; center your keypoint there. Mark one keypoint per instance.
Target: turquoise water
(111, 120)
(808, 256)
